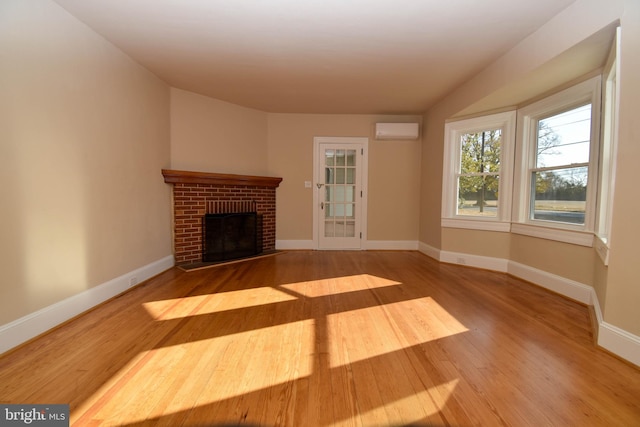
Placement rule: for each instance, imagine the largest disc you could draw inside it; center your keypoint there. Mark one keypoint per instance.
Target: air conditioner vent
(397, 130)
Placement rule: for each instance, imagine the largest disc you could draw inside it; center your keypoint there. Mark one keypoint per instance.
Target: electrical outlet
(133, 281)
(461, 261)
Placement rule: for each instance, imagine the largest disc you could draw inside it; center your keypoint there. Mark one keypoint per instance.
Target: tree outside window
(479, 177)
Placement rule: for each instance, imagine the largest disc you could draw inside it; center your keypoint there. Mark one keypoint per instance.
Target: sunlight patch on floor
(352, 330)
(214, 303)
(220, 370)
(338, 285)
(106, 389)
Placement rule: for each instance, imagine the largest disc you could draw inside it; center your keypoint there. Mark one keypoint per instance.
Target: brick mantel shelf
(194, 191)
(188, 177)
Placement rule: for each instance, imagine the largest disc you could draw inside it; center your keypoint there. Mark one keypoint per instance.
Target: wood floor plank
(329, 339)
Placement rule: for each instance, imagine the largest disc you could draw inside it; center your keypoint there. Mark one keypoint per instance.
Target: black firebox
(229, 236)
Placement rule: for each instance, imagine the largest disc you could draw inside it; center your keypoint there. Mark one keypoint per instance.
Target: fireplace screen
(229, 236)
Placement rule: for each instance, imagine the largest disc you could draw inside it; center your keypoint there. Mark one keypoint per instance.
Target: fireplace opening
(232, 235)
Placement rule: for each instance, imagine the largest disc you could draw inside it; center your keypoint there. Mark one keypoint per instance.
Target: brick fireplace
(195, 192)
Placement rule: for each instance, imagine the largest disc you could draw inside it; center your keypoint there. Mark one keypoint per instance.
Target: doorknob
(319, 185)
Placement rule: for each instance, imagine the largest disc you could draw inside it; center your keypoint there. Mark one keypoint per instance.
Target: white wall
(84, 134)
(209, 135)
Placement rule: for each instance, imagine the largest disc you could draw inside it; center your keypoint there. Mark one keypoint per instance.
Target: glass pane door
(340, 196)
(340, 190)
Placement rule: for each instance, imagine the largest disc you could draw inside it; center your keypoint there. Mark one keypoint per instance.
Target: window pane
(351, 175)
(351, 157)
(329, 156)
(560, 195)
(564, 139)
(329, 229)
(340, 161)
(328, 210)
(339, 229)
(478, 195)
(350, 210)
(329, 175)
(350, 229)
(480, 152)
(351, 193)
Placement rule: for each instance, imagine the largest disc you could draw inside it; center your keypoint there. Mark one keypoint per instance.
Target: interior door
(339, 186)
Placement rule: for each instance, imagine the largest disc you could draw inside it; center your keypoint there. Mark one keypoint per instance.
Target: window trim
(582, 93)
(608, 149)
(506, 121)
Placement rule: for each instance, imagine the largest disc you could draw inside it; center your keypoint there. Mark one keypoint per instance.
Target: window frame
(506, 122)
(608, 149)
(526, 142)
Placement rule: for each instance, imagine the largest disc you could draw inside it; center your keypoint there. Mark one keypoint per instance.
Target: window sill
(582, 238)
(477, 224)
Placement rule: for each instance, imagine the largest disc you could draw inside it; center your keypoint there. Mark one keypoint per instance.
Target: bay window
(531, 172)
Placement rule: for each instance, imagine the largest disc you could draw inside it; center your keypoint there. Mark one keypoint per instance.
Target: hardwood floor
(329, 338)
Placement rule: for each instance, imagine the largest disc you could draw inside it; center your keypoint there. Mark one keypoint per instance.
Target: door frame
(360, 142)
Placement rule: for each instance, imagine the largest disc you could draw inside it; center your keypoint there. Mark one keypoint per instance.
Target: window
(478, 169)
(558, 158)
(560, 172)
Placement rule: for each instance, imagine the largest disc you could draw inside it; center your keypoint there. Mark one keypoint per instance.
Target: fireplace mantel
(188, 177)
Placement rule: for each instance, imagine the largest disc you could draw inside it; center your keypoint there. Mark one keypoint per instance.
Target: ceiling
(312, 56)
(576, 63)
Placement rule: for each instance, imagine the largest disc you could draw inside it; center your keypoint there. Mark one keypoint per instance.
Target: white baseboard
(478, 261)
(391, 245)
(21, 330)
(397, 245)
(569, 288)
(294, 245)
(610, 337)
(616, 340)
(561, 285)
(429, 251)
(619, 342)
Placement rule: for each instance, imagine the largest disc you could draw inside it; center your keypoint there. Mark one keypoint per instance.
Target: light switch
(307, 184)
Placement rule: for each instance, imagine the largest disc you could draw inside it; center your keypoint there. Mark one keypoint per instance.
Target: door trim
(363, 142)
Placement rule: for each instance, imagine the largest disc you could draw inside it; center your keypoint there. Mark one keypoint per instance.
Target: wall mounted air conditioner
(397, 130)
